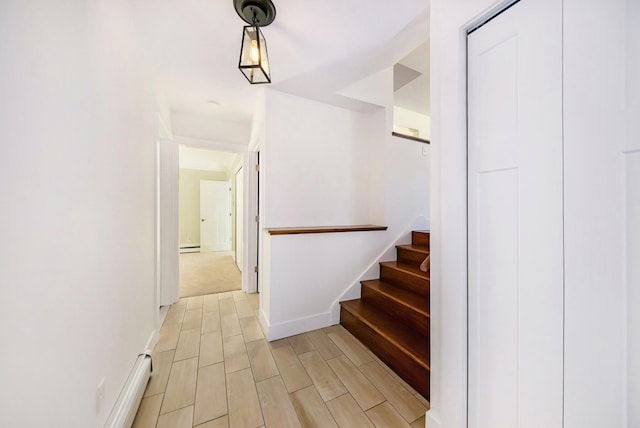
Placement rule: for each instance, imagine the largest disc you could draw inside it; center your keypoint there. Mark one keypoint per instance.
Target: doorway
(515, 218)
(257, 221)
(207, 212)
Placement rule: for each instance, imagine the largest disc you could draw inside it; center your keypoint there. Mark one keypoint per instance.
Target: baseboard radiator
(126, 407)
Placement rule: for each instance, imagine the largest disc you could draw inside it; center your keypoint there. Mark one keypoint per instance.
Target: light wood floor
(213, 368)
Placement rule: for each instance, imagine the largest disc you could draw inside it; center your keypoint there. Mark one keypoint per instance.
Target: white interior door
(515, 179)
(215, 216)
(239, 216)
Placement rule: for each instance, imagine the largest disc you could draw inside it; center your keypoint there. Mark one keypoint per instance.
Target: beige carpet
(206, 273)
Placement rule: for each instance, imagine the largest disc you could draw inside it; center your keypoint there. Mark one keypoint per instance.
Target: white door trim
(250, 234)
(168, 222)
(168, 213)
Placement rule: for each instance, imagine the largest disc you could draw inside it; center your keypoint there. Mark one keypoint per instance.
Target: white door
(239, 216)
(215, 216)
(515, 218)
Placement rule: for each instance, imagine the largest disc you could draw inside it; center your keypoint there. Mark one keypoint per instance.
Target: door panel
(515, 218)
(215, 216)
(496, 304)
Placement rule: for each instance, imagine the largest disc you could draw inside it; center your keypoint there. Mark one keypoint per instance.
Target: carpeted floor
(207, 273)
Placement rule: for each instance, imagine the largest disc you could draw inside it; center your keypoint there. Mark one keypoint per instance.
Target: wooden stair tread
(415, 248)
(391, 329)
(413, 301)
(392, 317)
(406, 267)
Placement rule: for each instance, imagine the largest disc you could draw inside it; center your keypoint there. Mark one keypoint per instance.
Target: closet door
(515, 214)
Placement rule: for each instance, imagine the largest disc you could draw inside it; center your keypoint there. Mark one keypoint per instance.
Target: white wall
(209, 128)
(601, 106)
(256, 134)
(412, 119)
(163, 116)
(323, 165)
(314, 155)
(77, 185)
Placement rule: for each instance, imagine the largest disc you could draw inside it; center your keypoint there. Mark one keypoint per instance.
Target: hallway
(214, 368)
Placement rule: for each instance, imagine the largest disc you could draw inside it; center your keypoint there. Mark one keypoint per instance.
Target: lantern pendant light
(254, 60)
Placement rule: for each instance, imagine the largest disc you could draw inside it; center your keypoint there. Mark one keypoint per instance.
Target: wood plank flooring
(214, 369)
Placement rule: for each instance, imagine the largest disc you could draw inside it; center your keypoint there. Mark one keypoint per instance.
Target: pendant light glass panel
(254, 61)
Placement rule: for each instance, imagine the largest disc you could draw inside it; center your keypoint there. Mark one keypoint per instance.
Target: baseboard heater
(126, 407)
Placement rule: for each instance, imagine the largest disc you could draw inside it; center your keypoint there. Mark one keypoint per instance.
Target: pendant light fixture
(254, 61)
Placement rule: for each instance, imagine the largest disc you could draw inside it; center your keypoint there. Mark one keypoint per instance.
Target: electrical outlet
(100, 395)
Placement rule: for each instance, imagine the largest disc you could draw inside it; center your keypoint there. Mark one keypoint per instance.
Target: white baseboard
(155, 334)
(296, 326)
(264, 324)
(432, 420)
(153, 339)
(353, 292)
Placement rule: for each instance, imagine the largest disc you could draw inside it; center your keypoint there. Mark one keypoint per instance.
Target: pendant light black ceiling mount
(259, 13)
(254, 61)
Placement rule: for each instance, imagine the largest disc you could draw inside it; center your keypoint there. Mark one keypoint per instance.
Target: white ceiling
(315, 47)
(207, 160)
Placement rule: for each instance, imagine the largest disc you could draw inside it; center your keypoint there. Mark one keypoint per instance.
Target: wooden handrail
(323, 229)
(409, 137)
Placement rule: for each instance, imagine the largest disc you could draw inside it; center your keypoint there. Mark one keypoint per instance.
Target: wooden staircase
(392, 317)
